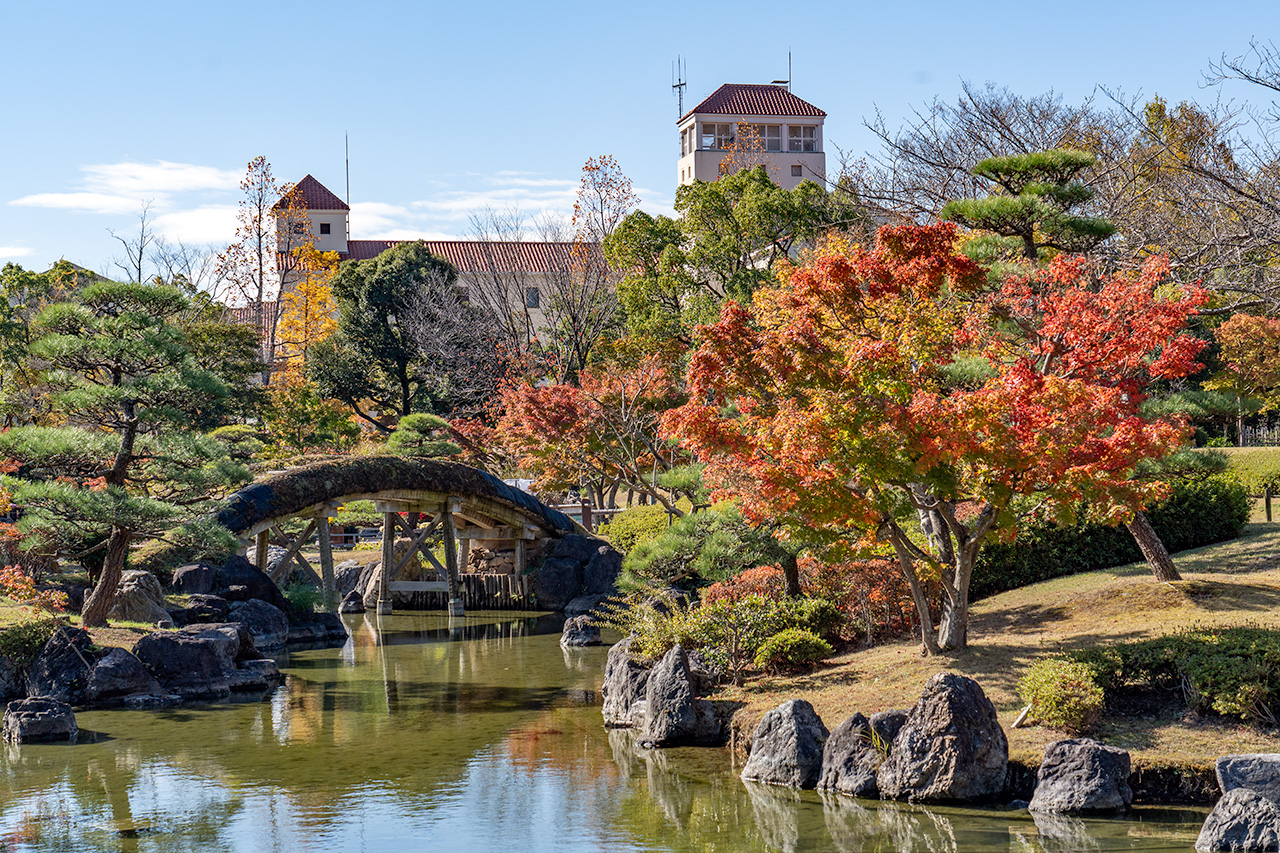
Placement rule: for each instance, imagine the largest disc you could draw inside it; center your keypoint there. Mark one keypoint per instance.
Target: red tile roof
(754, 99)
(314, 196)
(473, 256)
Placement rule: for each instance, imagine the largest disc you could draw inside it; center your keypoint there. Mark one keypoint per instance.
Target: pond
(432, 734)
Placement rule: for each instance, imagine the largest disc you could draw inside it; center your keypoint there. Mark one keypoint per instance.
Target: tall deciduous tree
(122, 374)
(827, 407)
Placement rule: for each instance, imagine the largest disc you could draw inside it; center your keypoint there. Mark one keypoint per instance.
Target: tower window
(532, 298)
(324, 227)
(803, 137)
(716, 136)
(797, 171)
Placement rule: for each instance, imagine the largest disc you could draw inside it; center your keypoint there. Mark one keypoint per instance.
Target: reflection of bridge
(461, 504)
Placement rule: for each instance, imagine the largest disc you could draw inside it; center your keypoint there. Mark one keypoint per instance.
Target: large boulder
(201, 609)
(191, 664)
(232, 640)
(601, 573)
(346, 575)
(353, 602)
(584, 604)
(139, 598)
(117, 675)
(61, 667)
(576, 548)
(39, 719)
(786, 748)
(195, 579)
(950, 749)
(268, 625)
(12, 685)
(1079, 776)
(580, 631)
(625, 681)
(670, 715)
(885, 726)
(238, 571)
(1243, 820)
(1259, 771)
(557, 582)
(850, 759)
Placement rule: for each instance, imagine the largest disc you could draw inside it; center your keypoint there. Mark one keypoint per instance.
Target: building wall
(336, 239)
(703, 164)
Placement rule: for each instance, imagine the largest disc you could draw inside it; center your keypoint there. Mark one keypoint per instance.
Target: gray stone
(190, 663)
(148, 701)
(268, 625)
(139, 598)
(238, 571)
(39, 719)
(309, 633)
(556, 582)
(196, 579)
(706, 675)
(584, 604)
(61, 667)
(849, 759)
(117, 675)
(580, 631)
(232, 640)
(353, 602)
(11, 682)
(202, 609)
(265, 667)
(786, 748)
(576, 548)
(1243, 820)
(625, 680)
(670, 715)
(346, 575)
(332, 625)
(885, 725)
(601, 573)
(950, 749)
(1259, 771)
(1080, 775)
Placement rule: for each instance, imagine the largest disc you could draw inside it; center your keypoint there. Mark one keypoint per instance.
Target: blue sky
(454, 106)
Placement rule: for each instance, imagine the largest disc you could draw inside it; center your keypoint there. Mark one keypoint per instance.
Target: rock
(238, 571)
(231, 639)
(236, 592)
(306, 634)
(1259, 772)
(557, 582)
(885, 725)
(268, 625)
(584, 604)
(11, 682)
(670, 715)
(786, 748)
(706, 675)
(601, 573)
(849, 760)
(950, 749)
(190, 663)
(139, 598)
(117, 675)
(202, 609)
(346, 575)
(580, 631)
(1080, 775)
(624, 686)
(264, 667)
(39, 719)
(332, 625)
(367, 585)
(352, 603)
(196, 579)
(61, 667)
(148, 701)
(576, 548)
(1242, 820)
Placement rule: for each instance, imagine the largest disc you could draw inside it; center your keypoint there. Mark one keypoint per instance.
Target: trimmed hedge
(1256, 468)
(635, 525)
(1199, 512)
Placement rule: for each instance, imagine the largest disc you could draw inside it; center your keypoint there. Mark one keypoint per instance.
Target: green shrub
(633, 526)
(1199, 512)
(1255, 468)
(791, 648)
(815, 615)
(1063, 693)
(358, 514)
(21, 641)
(304, 597)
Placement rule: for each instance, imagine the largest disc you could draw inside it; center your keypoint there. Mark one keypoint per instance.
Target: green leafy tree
(121, 372)
(422, 435)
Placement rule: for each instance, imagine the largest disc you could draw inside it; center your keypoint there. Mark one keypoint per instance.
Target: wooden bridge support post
(451, 562)
(388, 554)
(261, 549)
(326, 566)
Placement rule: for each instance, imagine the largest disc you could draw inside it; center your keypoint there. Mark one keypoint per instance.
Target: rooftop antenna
(346, 146)
(786, 82)
(678, 83)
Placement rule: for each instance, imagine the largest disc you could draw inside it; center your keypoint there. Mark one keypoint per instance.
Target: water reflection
(424, 731)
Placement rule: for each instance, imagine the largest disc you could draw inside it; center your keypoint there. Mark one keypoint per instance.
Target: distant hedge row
(1199, 512)
(1256, 468)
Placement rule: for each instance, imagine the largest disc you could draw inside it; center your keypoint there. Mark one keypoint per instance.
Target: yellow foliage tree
(308, 315)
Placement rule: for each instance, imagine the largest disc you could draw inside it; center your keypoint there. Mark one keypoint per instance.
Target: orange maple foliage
(827, 404)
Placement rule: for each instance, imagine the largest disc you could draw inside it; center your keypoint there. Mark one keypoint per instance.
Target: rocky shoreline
(949, 748)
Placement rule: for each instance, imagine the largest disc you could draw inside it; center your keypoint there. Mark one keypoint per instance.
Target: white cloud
(116, 188)
(86, 202)
(210, 223)
(15, 251)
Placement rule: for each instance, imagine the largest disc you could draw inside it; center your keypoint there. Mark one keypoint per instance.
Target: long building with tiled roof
(750, 124)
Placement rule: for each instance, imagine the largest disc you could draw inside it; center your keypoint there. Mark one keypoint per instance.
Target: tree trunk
(1152, 548)
(927, 636)
(791, 575)
(94, 612)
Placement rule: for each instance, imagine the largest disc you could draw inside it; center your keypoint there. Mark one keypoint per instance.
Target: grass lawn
(1233, 583)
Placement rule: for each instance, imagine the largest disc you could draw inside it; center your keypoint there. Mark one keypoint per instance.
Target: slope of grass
(1232, 583)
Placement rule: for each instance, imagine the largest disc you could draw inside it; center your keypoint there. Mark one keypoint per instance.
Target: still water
(479, 734)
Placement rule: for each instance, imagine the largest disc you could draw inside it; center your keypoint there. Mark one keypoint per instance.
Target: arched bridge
(461, 503)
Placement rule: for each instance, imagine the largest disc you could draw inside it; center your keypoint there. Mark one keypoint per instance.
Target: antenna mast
(678, 83)
(346, 148)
